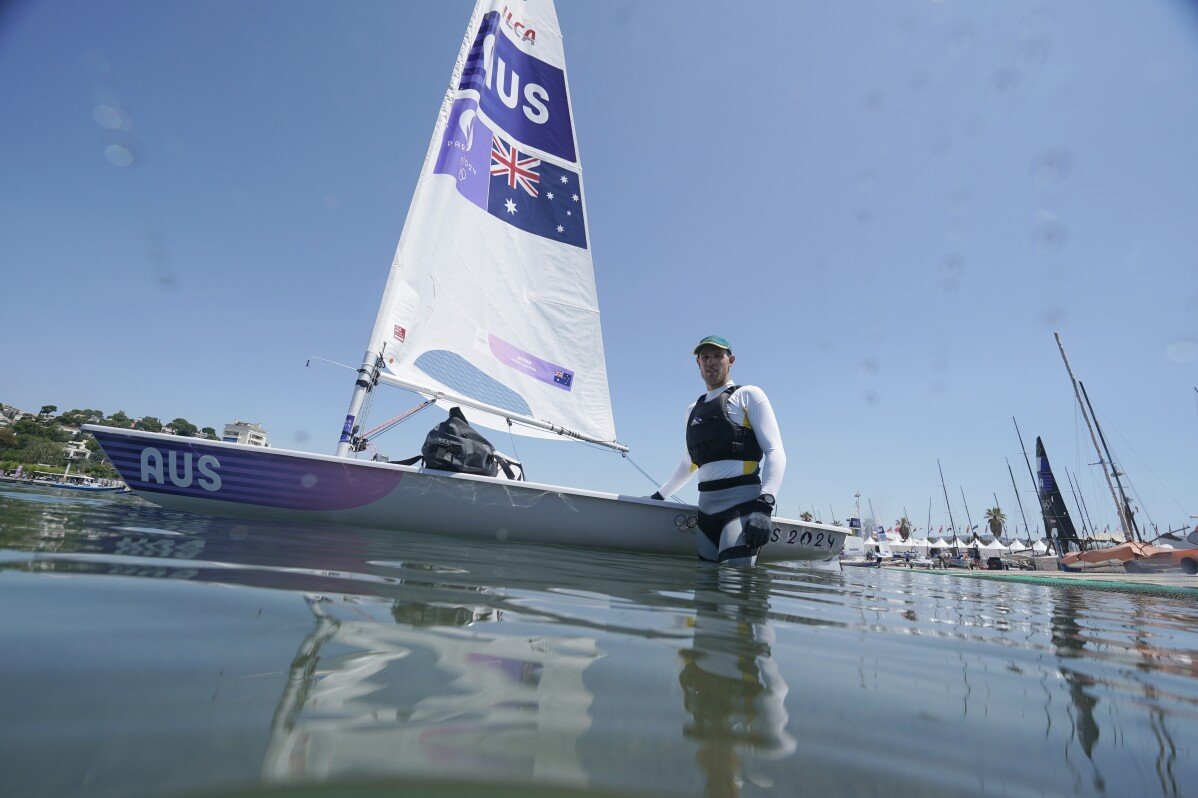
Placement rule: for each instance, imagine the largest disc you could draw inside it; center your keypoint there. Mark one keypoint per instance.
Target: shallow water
(146, 652)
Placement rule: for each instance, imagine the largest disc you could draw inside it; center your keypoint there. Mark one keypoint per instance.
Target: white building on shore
(245, 432)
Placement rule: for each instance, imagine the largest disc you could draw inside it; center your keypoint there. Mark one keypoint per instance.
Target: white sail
(491, 295)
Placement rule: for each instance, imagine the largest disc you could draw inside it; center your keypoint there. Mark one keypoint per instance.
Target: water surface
(148, 652)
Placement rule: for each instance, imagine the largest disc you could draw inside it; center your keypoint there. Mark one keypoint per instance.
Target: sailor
(733, 444)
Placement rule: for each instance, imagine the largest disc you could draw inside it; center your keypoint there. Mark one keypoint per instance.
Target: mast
(1077, 502)
(928, 533)
(368, 378)
(1114, 470)
(1019, 500)
(951, 524)
(1119, 508)
(968, 518)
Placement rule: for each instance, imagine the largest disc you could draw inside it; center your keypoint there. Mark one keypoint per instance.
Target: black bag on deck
(454, 445)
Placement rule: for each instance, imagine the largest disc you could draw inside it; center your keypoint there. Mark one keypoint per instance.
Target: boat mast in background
(1135, 530)
(1124, 515)
(968, 517)
(1078, 503)
(1028, 462)
(1015, 488)
(952, 526)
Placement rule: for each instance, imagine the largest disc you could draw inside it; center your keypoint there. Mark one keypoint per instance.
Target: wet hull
(226, 479)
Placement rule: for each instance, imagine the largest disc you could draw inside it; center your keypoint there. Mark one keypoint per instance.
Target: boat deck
(1178, 584)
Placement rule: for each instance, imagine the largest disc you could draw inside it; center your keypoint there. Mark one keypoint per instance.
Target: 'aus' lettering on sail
(520, 93)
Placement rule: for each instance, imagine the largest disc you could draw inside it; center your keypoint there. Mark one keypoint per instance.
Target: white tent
(993, 549)
(943, 544)
(1039, 548)
(921, 545)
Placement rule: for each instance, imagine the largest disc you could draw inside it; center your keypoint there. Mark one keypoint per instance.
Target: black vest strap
(730, 482)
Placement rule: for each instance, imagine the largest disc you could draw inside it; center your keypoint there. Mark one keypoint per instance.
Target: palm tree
(904, 527)
(806, 516)
(996, 519)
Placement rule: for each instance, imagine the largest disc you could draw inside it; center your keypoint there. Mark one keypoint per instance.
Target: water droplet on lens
(239, 532)
(869, 367)
(308, 480)
(870, 397)
(501, 535)
(118, 155)
(107, 116)
(952, 265)
(1051, 167)
(1055, 316)
(1182, 351)
(960, 46)
(301, 436)
(1050, 236)
(1033, 54)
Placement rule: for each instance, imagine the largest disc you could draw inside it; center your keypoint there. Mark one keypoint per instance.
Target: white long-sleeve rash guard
(750, 400)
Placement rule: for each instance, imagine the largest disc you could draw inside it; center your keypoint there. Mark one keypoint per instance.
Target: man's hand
(757, 530)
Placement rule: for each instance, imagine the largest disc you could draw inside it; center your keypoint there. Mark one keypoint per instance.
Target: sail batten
(491, 295)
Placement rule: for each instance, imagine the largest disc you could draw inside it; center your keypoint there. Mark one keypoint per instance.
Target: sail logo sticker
(400, 333)
(520, 93)
(178, 469)
(533, 366)
(518, 28)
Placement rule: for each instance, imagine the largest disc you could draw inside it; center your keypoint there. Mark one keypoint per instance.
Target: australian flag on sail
(511, 184)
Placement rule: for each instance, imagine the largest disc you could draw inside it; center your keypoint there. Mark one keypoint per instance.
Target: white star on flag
(569, 213)
(561, 229)
(549, 195)
(565, 179)
(511, 207)
(576, 198)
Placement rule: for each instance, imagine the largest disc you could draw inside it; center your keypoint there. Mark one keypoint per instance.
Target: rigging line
(1147, 467)
(647, 475)
(515, 451)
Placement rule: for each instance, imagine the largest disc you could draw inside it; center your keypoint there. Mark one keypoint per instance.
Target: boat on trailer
(490, 305)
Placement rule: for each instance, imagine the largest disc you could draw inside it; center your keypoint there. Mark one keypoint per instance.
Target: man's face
(714, 364)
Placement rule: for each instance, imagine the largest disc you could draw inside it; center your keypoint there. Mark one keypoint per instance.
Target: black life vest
(712, 435)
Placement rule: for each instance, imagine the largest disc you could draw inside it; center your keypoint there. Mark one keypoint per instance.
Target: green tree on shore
(149, 424)
(120, 420)
(184, 428)
(996, 519)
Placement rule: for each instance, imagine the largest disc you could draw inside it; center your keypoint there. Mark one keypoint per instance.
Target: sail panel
(491, 293)
(1052, 503)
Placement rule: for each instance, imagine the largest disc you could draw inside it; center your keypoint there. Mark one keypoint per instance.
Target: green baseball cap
(714, 340)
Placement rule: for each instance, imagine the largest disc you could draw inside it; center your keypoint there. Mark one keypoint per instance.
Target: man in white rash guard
(733, 444)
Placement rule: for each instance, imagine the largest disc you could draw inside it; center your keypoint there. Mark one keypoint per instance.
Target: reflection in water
(329, 654)
(731, 686)
(368, 699)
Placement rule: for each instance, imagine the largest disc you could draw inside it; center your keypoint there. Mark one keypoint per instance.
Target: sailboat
(490, 305)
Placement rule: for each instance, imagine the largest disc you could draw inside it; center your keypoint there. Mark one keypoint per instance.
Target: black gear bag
(454, 445)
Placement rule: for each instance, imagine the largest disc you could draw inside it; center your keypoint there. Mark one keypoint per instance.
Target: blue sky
(887, 207)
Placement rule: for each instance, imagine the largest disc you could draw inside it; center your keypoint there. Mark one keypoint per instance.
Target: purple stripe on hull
(189, 467)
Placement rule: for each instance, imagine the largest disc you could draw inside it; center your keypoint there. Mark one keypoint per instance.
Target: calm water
(145, 652)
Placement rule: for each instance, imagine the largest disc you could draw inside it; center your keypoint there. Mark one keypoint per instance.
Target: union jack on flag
(519, 171)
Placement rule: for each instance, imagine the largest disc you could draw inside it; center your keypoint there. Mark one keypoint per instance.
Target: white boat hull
(216, 478)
